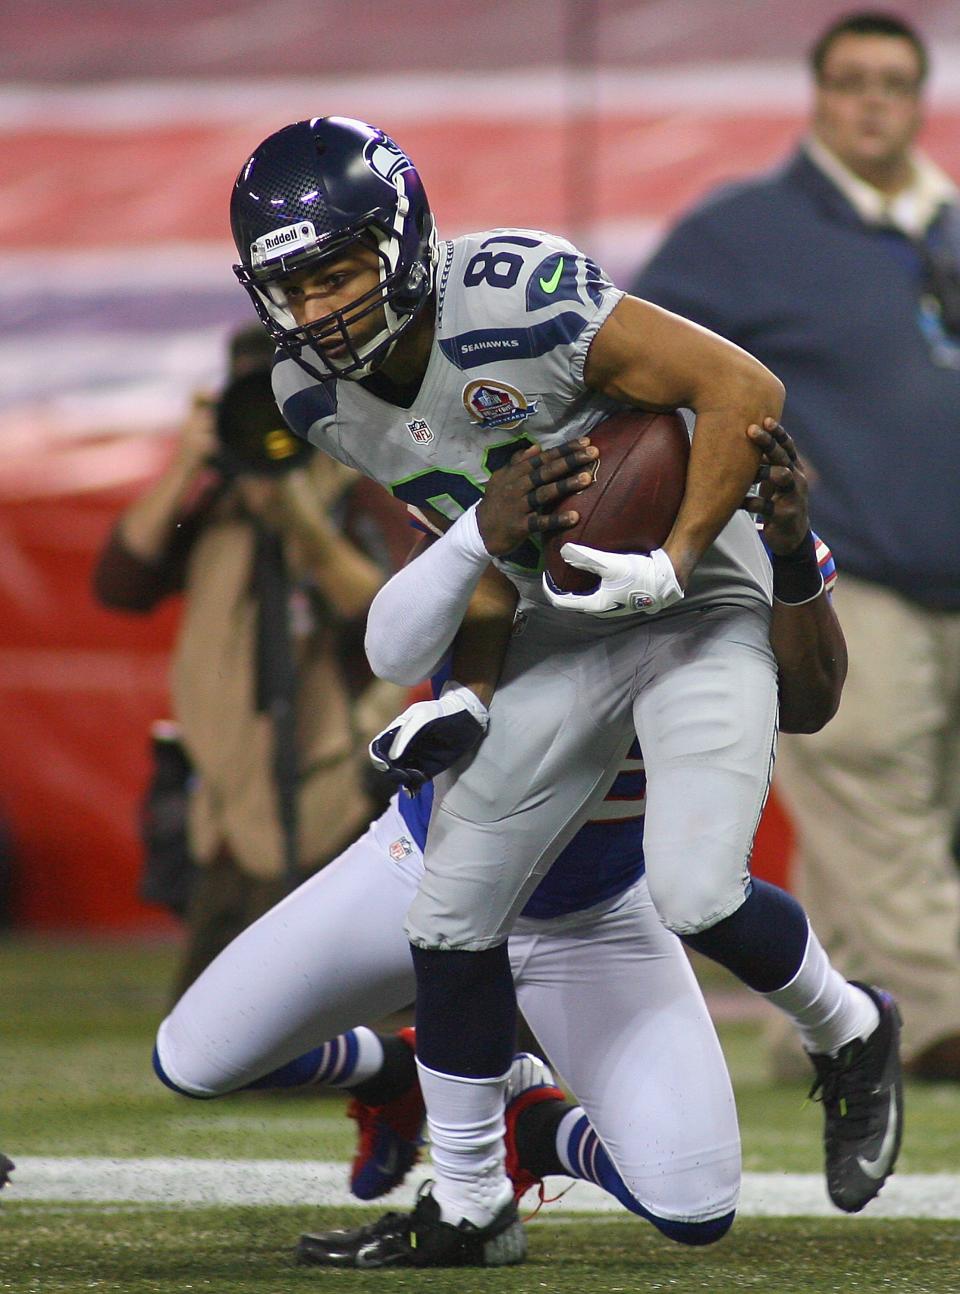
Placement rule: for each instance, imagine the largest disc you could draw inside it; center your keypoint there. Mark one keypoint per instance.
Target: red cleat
(390, 1139)
(529, 1083)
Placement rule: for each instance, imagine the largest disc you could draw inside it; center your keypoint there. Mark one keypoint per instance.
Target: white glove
(629, 582)
(430, 736)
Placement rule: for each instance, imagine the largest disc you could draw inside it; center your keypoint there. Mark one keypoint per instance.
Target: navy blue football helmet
(307, 194)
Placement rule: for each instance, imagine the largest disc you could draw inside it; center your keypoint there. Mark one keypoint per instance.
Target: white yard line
(284, 1181)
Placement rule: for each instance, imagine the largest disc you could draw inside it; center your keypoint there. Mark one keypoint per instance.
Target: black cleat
(862, 1093)
(6, 1168)
(420, 1239)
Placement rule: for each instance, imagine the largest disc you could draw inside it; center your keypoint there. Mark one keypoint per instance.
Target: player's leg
(706, 720)
(271, 1009)
(618, 1010)
(553, 731)
(222, 903)
(706, 726)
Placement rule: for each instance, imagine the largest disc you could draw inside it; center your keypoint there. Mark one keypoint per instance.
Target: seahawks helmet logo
(385, 159)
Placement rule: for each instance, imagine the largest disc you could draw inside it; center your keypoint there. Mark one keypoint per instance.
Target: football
(636, 494)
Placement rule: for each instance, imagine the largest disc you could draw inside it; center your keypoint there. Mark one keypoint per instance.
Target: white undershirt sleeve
(414, 618)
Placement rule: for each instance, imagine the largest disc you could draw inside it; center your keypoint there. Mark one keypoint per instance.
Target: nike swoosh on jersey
(877, 1168)
(551, 284)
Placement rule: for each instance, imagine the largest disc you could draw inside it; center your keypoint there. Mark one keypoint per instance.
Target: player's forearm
(647, 356)
(481, 644)
(416, 615)
(811, 654)
(723, 462)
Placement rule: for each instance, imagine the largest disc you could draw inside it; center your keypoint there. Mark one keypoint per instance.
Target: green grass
(76, 1031)
(248, 1251)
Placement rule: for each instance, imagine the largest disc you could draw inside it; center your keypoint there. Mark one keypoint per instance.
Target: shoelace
(543, 1198)
(846, 1088)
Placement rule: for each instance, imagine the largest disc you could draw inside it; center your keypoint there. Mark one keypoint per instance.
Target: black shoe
(6, 1168)
(420, 1239)
(862, 1093)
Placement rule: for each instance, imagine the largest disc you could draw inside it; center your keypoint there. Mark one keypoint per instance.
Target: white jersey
(517, 311)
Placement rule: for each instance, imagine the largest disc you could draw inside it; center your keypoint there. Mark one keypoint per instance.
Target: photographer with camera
(254, 528)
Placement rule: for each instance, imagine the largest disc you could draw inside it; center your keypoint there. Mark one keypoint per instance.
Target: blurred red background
(123, 128)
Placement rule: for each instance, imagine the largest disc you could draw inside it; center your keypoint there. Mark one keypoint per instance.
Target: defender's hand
(429, 737)
(519, 496)
(629, 582)
(781, 499)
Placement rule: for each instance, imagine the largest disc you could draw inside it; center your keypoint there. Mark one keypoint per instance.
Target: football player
(451, 373)
(608, 990)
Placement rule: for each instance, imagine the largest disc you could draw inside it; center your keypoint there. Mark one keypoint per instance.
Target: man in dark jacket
(841, 271)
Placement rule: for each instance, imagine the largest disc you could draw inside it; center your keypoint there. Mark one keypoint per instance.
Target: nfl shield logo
(420, 431)
(401, 848)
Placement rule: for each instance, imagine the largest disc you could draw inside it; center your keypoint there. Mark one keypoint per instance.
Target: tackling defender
(428, 367)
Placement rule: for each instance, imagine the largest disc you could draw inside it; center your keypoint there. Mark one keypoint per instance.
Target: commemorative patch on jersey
(400, 848)
(420, 431)
(497, 404)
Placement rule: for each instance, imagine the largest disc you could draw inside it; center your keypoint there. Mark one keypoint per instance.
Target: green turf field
(242, 1251)
(76, 1027)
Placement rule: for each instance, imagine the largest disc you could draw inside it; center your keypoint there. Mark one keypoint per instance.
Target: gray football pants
(698, 689)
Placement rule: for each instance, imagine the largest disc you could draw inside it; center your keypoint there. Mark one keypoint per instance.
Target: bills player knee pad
(180, 1067)
(164, 1077)
(694, 1233)
(699, 1231)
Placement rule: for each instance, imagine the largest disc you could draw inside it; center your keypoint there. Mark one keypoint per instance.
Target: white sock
(368, 1060)
(465, 1125)
(827, 1011)
(565, 1130)
(347, 1059)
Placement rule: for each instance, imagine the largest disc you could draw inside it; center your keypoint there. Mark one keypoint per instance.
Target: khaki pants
(874, 798)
